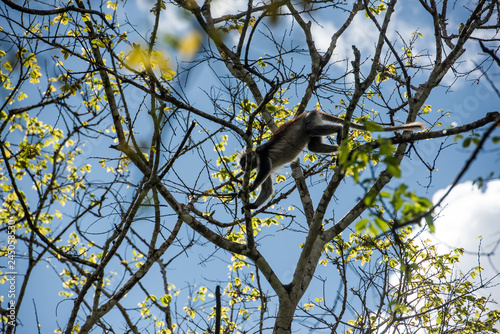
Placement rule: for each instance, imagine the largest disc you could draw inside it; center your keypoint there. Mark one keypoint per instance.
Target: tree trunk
(284, 318)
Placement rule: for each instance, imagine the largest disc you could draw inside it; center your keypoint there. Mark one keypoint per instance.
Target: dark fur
(290, 139)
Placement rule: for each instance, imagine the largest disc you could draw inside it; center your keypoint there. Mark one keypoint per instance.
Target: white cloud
(172, 20)
(322, 34)
(470, 219)
(361, 33)
(468, 213)
(223, 7)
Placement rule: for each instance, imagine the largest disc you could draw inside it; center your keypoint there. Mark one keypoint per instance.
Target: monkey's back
(286, 143)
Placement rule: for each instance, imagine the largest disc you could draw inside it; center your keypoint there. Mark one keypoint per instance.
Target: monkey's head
(247, 161)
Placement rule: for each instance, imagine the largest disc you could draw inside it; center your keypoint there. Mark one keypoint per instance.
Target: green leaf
(370, 198)
(430, 222)
(426, 108)
(343, 153)
(166, 299)
(362, 224)
(386, 147)
(457, 137)
(395, 170)
(7, 65)
(371, 126)
(280, 178)
(381, 224)
(385, 194)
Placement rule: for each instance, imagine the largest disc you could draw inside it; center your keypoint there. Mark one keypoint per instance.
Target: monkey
(288, 142)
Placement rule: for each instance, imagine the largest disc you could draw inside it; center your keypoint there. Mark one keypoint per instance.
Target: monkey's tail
(407, 126)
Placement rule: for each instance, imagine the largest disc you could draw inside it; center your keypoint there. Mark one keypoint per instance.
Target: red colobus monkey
(290, 139)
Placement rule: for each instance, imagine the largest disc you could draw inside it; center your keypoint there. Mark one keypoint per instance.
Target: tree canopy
(120, 126)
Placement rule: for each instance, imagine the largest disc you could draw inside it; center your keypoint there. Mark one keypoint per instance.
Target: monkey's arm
(263, 178)
(264, 171)
(265, 192)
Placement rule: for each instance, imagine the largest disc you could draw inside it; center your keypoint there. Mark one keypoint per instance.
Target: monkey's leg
(323, 129)
(316, 145)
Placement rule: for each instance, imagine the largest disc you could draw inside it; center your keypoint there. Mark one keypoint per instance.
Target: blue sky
(467, 214)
